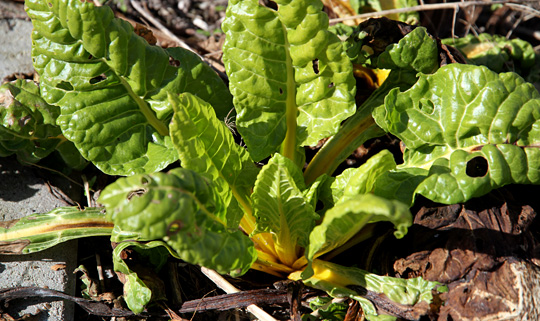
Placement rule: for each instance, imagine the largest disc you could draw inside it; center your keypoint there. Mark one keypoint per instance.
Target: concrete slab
(21, 194)
(15, 47)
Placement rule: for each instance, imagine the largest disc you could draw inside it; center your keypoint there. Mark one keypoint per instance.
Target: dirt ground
(487, 250)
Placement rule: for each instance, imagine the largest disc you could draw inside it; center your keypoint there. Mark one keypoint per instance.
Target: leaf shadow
(17, 183)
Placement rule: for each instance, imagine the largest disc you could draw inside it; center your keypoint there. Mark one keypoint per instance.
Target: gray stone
(15, 47)
(21, 194)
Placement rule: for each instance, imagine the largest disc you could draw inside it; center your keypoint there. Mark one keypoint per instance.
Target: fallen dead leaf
(60, 266)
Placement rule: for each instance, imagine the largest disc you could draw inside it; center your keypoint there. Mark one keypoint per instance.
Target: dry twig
(161, 27)
(427, 7)
(229, 288)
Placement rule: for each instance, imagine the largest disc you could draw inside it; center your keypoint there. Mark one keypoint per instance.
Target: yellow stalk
(268, 264)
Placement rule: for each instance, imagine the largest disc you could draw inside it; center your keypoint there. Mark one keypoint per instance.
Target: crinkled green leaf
(340, 281)
(357, 129)
(28, 124)
(291, 80)
(416, 51)
(495, 52)
(313, 192)
(471, 129)
(183, 209)
(111, 85)
(207, 146)
(357, 181)
(326, 309)
(141, 285)
(281, 209)
(348, 217)
(38, 232)
(400, 184)
(199, 79)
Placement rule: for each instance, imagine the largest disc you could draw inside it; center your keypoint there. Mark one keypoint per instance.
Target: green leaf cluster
(133, 109)
(291, 81)
(182, 209)
(467, 130)
(495, 52)
(111, 86)
(28, 126)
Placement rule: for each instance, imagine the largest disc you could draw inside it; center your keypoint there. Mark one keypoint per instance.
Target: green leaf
(111, 85)
(199, 79)
(27, 123)
(357, 129)
(340, 281)
(357, 181)
(141, 284)
(400, 184)
(185, 211)
(291, 80)
(495, 52)
(348, 217)
(467, 130)
(416, 51)
(207, 146)
(281, 209)
(38, 232)
(327, 309)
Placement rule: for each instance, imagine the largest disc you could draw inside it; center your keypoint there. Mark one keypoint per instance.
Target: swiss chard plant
(132, 109)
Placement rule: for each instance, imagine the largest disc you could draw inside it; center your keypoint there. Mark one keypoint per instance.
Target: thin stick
(161, 27)
(89, 199)
(172, 36)
(229, 288)
(426, 7)
(54, 171)
(525, 9)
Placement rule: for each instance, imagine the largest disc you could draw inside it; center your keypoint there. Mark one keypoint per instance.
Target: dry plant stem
(54, 171)
(90, 201)
(229, 288)
(161, 27)
(172, 36)
(427, 7)
(525, 9)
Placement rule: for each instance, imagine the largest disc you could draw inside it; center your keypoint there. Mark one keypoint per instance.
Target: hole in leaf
(316, 66)
(270, 4)
(173, 62)
(97, 79)
(138, 192)
(331, 85)
(427, 106)
(477, 167)
(174, 227)
(64, 85)
(145, 181)
(280, 91)
(23, 121)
